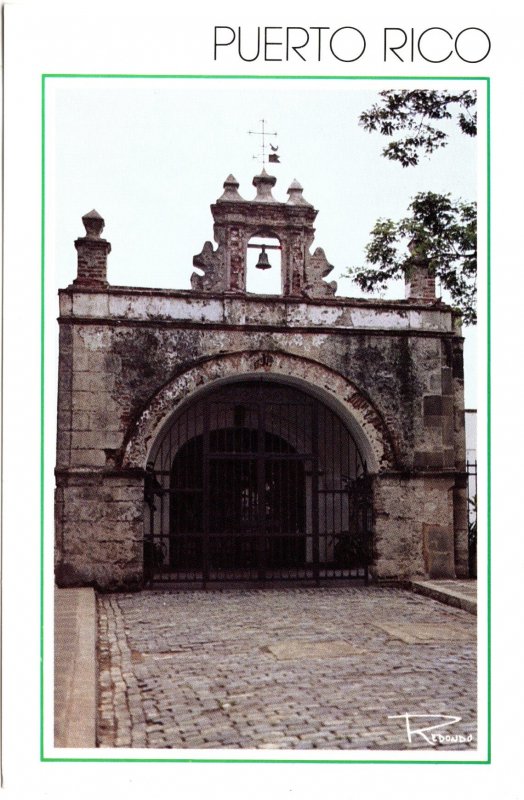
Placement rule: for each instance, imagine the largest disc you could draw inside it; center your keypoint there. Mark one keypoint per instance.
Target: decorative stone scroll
(213, 266)
(317, 267)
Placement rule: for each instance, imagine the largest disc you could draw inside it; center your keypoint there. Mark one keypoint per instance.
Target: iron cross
(263, 133)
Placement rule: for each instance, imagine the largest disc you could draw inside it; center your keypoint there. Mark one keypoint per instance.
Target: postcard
(248, 316)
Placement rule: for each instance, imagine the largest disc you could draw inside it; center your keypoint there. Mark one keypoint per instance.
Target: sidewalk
(75, 668)
(458, 593)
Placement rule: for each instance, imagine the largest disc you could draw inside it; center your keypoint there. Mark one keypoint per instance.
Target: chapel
(216, 435)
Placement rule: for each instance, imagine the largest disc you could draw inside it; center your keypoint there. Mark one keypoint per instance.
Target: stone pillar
(460, 493)
(99, 520)
(92, 253)
(420, 279)
(236, 258)
(413, 526)
(293, 261)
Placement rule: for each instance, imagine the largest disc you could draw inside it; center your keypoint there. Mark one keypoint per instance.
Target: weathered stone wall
(121, 369)
(414, 526)
(119, 348)
(100, 530)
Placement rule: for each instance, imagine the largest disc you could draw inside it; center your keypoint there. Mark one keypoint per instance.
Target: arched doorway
(256, 480)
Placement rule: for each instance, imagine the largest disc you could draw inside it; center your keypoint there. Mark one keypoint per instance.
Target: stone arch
(360, 415)
(270, 281)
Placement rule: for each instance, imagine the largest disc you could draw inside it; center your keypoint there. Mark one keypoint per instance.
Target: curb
(451, 597)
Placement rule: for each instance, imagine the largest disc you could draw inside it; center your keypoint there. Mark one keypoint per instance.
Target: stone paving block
(426, 632)
(301, 649)
(202, 669)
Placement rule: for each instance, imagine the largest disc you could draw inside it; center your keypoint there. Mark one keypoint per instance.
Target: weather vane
(272, 158)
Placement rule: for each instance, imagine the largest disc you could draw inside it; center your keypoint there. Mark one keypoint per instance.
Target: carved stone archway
(362, 418)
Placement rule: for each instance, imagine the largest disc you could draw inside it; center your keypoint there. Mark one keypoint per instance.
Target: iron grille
(471, 471)
(257, 481)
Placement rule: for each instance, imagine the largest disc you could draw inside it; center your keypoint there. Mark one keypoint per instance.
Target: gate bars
(257, 481)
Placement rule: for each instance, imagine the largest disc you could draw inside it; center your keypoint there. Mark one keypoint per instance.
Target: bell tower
(290, 223)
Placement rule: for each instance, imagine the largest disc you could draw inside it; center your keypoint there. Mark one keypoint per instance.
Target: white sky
(152, 154)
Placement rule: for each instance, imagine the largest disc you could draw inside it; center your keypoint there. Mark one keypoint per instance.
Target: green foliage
(414, 112)
(439, 231)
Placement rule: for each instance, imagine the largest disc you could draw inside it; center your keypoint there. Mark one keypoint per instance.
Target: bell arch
(264, 263)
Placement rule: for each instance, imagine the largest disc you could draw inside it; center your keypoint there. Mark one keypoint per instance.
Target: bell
(263, 260)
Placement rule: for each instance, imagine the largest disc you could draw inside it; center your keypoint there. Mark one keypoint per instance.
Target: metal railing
(471, 470)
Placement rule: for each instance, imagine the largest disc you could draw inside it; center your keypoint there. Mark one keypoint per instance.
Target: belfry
(291, 224)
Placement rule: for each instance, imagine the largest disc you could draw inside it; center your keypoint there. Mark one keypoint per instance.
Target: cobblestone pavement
(282, 668)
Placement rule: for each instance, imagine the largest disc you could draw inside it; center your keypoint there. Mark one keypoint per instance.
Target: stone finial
(94, 224)
(420, 278)
(263, 184)
(231, 191)
(92, 253)
(295, 195)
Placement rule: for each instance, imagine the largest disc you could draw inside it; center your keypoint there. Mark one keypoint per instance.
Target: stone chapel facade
(212, 434)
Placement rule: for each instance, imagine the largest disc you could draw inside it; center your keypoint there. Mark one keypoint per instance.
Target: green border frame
(44, 77)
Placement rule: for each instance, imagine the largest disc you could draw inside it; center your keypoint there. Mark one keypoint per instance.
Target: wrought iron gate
(257, 481)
